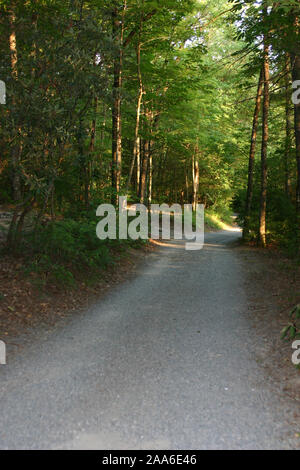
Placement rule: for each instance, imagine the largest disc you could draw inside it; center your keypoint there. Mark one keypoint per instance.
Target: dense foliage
(152, 99)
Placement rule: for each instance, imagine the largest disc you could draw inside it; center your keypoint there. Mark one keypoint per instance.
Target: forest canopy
(173, 101)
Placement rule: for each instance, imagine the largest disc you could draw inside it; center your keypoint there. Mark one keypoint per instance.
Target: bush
(281, 219)
(61, 249)
(292, 330)
(216, 216)
(47, 271)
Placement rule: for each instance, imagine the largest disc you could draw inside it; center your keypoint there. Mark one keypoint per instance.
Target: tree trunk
(252, 156)
(13, 42)
(118, 34)
(138, 164)
(93, 127)
(151, 125)
(296, 76)
(16, 149)
(138, 112)
(92, 142)
(84, 163)
(195, 179)
(288, 138)
(187, 186)
(103, 127)
(121, 44)
(16, 225)
(150, 171)
(144, 170)
(162, 169)
(264, 149)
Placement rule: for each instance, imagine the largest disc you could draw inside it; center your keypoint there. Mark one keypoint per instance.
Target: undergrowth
(67, 251)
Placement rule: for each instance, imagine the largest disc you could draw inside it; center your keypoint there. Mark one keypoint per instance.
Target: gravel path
(165, 361)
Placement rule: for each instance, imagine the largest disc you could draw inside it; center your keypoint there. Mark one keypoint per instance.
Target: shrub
(61, 249)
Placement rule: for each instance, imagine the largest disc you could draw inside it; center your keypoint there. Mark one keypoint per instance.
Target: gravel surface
(167, 360)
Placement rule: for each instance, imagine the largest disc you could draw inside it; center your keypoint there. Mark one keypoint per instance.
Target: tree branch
(135, 30)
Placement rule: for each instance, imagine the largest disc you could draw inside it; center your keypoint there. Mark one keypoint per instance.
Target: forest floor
(24, 304)
(272, 283)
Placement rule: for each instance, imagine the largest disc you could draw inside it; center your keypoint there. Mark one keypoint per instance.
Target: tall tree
(265, 138)
(252, 155)
(118, 18)
(16, 149)
(288, 128)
